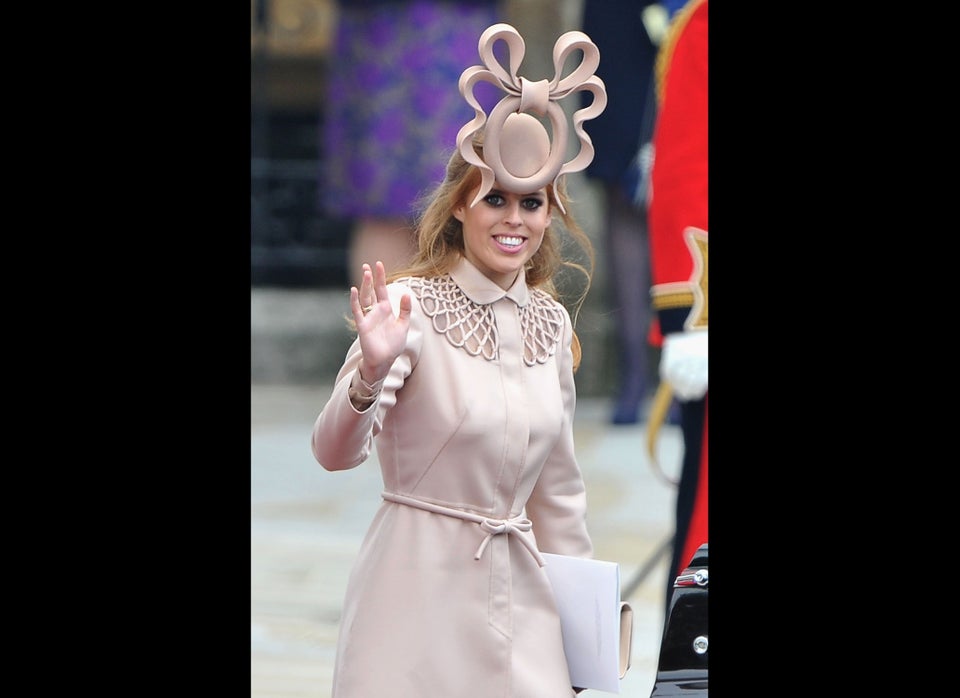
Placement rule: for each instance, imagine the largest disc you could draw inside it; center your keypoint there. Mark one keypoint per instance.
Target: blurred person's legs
(390, 240)
(391, 110)
(628, 257)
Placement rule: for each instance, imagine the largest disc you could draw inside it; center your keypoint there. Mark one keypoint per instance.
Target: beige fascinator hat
(518, 151)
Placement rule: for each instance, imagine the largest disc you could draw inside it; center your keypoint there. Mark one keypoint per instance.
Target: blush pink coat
(474, 435)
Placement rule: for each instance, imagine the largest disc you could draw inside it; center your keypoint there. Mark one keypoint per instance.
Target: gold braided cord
(697, 242)
(673, 299)
(658, 415)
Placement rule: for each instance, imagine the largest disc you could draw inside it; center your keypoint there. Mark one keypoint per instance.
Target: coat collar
(482, 290)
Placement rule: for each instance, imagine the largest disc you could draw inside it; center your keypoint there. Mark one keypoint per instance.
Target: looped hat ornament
(517, 149)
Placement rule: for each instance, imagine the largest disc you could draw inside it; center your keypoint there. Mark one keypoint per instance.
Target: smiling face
(503, 231)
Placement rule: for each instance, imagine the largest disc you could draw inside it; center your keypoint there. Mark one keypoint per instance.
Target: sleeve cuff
(363, 394)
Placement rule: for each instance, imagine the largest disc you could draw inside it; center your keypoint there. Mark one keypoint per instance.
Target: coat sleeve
(342, 436)
(558, 504)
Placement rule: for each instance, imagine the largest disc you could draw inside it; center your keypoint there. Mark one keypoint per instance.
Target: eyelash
(529, 204)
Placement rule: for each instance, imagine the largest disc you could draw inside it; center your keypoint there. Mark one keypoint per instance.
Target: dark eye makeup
(531, 203)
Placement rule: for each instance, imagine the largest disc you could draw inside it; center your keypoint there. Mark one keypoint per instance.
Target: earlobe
(458, 213)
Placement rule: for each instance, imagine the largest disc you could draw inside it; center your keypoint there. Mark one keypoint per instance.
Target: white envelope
(597, 626)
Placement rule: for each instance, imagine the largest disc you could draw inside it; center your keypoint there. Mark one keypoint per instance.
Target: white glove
(683, 363)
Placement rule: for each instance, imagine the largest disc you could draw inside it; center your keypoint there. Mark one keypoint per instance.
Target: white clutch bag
(597, 626)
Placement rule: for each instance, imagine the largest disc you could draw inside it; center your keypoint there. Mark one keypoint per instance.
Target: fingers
(405, 306)
(355, 304)
(366, 296)
(373, 288)
(380, 285)
(366, 286)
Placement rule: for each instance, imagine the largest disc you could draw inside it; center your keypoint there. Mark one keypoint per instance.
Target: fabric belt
(517, 525)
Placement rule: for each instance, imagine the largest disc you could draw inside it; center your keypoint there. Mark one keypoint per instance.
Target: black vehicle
(682, 667)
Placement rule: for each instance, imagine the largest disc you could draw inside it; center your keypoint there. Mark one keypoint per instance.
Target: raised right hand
(382, 336)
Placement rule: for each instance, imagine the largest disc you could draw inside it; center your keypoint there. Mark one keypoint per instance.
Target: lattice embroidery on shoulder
(541, 323)
(465, 324)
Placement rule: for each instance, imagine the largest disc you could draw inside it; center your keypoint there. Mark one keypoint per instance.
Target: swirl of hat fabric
(517, 150)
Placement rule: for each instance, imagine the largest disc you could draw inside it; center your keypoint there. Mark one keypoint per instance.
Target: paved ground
(306, 526)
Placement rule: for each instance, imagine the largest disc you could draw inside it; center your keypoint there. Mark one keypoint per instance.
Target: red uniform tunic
(678, 232)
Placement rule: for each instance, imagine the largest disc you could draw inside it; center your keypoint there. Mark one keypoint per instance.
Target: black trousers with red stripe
(690, 522)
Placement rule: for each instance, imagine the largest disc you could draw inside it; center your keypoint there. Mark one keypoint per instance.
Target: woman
(463, 373)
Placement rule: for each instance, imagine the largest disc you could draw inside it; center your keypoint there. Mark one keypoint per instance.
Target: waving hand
(382, 335)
